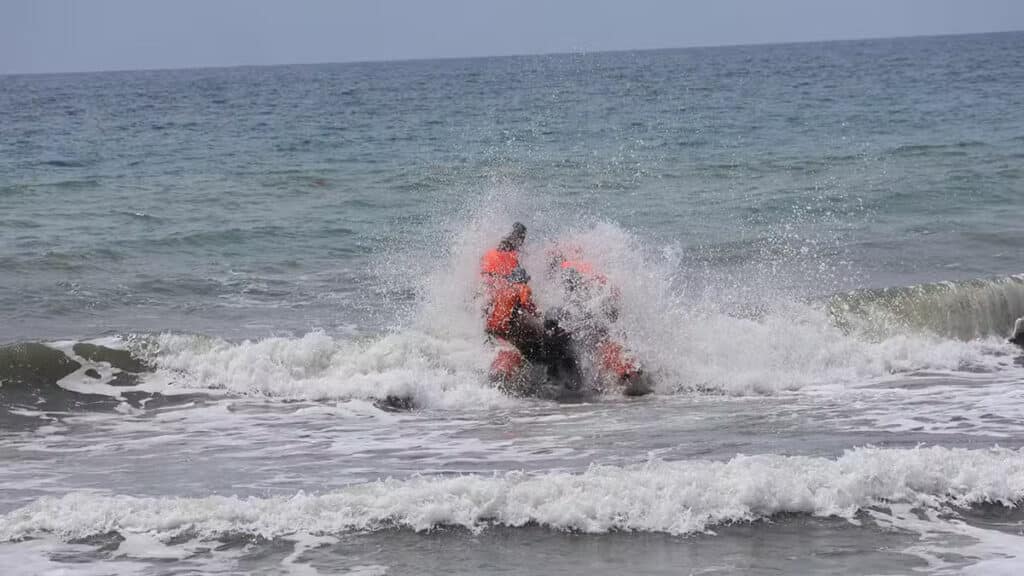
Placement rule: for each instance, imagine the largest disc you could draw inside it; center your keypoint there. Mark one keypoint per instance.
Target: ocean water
(211, 280)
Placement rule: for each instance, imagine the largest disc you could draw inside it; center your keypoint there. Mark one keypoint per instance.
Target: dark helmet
(518, 230)
(518, 276)
(515, 238)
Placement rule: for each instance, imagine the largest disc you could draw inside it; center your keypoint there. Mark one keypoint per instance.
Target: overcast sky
(78, 35)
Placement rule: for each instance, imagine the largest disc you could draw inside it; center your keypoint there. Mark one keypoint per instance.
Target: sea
(241, 331)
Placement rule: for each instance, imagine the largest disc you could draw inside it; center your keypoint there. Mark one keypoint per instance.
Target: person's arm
(526, 299)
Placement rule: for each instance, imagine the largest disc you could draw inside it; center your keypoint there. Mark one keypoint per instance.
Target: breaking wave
(659, 496)
(437, 355)
(714, 353)
(427, 370)
(783, 350)
(964, 310)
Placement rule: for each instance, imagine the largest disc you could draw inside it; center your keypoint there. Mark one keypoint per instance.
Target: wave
(671, 497)
(401, 370)
(950, 149)
(964, 310)
(410, 367)
(736, 336)
(38, 378)
(716, 353)
(857, 338)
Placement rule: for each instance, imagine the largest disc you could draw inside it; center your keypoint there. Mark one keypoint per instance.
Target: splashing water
(685, 335)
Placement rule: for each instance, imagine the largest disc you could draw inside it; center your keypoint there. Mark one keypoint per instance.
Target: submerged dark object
(536, 380)
(552, 369)
(394, 403)
(636, 384)
(545, 366)
(1017, 336)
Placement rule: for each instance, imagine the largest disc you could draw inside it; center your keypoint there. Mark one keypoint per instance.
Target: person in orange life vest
(509, 299)
(509, 304)
(592, 305)
(512, 316)
(501, 261)
(589, 291)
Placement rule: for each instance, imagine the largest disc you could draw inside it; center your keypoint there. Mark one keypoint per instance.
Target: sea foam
(657, 496)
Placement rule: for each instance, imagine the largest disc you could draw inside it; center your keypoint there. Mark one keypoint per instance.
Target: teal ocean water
(210, 278)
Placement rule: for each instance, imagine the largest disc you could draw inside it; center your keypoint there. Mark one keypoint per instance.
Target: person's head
(515, 238)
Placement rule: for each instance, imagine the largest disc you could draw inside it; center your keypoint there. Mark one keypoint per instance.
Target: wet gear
(518, 276)
(499, 262)
(508, 302)
(591, 310)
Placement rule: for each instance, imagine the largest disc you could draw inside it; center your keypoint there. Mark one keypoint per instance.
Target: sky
(86, 35)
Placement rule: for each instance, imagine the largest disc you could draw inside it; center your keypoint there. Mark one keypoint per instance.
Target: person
(511, 315)
(591, 302)
(511, 312)
(590, 294)
(509, 298)
(591, 309)
(501, 261)
(510, 304)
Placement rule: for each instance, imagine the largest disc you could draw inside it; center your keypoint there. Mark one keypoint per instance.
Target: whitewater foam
(438, 356)
(659, 496)
(950, 545)
(433, 372)
(693, 339)
(37, 557)
(733, 355)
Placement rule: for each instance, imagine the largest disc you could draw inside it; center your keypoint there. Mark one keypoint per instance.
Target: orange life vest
(615, 360)
(595, 285)
(586, 270)
(506, 365)
(499, 262)
(506, 300)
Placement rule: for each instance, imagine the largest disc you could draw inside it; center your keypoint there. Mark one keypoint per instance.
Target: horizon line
(510, 55)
